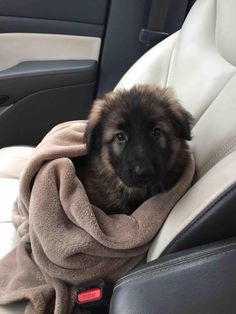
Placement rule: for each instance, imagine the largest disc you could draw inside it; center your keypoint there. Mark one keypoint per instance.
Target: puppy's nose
(141, 171)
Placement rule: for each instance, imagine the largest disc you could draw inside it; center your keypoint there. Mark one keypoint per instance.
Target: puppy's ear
(181, 119)
(93, 131)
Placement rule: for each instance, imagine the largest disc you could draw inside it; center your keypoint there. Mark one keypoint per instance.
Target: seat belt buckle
(94, 293)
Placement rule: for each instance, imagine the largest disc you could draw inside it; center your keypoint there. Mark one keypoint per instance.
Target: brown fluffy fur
(103, 185)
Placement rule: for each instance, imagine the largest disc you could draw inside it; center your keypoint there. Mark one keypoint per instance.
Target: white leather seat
(12, 162)
(199, 62)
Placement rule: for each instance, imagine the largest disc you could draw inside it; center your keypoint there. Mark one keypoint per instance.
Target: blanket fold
(65, 240)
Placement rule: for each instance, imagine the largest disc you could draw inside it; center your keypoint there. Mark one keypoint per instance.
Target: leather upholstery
(13, 159)
(211, 225)
(225, 35)
(12, 162)
(196, 209)
(199, 63)
(200, 280)
(200, 67)
(209, 94)
(202, 79)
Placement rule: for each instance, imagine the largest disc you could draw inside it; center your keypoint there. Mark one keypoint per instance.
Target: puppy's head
(137, 135)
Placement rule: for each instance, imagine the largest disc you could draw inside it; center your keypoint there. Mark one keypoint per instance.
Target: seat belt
(165, 17)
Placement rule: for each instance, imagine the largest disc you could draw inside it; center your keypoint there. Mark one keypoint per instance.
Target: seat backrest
(199, 63)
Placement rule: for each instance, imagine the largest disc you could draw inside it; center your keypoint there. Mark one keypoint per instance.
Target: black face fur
(136, 138)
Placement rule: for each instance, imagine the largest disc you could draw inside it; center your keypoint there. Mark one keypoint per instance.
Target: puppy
(136, 143)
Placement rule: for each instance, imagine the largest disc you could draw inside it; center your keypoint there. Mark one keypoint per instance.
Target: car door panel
(36, 34)
(32, 76)
(12, 24)
(30, 118)
(48, 64)
(19, 47)
(89, 11)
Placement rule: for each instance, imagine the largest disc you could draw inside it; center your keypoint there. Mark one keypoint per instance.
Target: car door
(57, 55)
(49, 53)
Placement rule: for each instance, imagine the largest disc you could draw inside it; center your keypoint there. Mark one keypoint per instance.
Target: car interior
(56, 57)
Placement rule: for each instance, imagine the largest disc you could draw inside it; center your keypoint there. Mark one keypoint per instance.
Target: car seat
(190, 265)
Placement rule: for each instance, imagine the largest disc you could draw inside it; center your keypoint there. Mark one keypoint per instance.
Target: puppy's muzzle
(141, 172)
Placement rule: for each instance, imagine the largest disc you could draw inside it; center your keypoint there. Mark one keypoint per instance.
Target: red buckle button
(91, 295)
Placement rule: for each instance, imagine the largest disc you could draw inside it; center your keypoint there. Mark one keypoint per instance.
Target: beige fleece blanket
(65, 240)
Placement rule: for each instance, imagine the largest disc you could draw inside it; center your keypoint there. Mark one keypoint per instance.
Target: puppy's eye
(157, 131)
(120, 137)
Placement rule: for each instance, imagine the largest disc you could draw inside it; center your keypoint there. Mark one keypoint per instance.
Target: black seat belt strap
(165, 17)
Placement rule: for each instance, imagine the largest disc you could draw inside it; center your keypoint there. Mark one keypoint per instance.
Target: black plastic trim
(28, 120)
(11, 24)
(89, 11)
(32, 76)
(37, 68)
(3, 100)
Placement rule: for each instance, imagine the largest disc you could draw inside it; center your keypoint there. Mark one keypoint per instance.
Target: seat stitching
(216, 96)
(217, 47)
(222, 58)
(199, 171)
(179, 260)
(170, 61)
(216, 23)
(224, 150)
(158, 271)
(228, 146)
